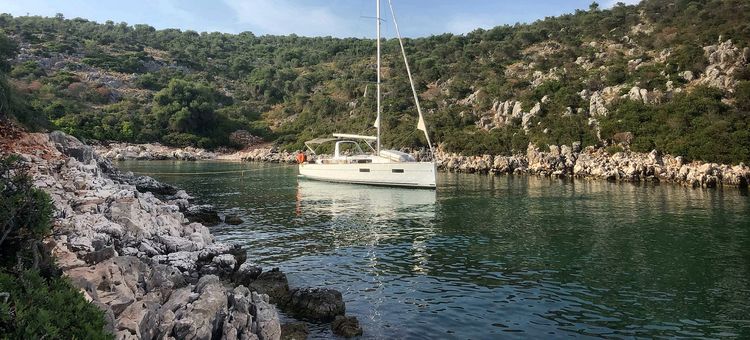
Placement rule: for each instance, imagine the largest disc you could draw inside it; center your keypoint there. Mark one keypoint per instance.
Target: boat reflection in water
(378, 204)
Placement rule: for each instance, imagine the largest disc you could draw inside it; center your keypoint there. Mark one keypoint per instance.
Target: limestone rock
(597, 106)
(322, 304)
(205, 214)
(247, 273)
(273, 283)
(346, 326)
(71, 146)
(205, 316)
(294, 331)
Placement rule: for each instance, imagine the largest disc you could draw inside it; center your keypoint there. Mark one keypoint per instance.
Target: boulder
(204, 317)
(148, 184)
(95, 257)
(72, 147)
(273, 283)
(247, 273)
(205, 214)
(597, 105)
(294, 331)
(346, 326)
(320, 304)
(266, 318)
(233, 220)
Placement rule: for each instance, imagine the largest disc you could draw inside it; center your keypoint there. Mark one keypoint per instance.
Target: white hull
(406, 174)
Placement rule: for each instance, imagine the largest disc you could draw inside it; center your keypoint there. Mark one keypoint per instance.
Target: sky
(338, 18)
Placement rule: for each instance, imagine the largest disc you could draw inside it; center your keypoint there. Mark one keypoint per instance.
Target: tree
(8, 49)
(186, 107)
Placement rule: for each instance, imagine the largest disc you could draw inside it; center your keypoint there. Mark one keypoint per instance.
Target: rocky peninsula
(564, 161)
(135, 249)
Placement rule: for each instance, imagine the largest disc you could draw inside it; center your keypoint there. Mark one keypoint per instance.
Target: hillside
(665, 75)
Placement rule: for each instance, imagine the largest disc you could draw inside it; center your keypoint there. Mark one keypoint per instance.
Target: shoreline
(563, 161)
(142, 252)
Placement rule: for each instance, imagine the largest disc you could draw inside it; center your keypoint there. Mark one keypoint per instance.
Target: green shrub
(689, 57)
(35, 302)
(613, 149)
(126, 63)
(180, 139)
(52, 308)
(27, 69)
(25, 211)
(742, 97)
(696, 125)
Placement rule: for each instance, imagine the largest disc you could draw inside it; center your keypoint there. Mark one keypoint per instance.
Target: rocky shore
(135, 249)
(124, 151)
(560, 161)
(596, 163)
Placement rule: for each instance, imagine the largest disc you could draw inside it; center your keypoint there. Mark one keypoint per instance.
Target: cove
(487, 257)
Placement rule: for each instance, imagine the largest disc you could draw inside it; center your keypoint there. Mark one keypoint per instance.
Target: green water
(496, 257)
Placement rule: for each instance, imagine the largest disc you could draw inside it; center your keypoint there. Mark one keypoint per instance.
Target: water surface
(495, 257)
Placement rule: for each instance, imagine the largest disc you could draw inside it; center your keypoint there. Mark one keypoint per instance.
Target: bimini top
(346, 135)
(320, 141)
(337, 136)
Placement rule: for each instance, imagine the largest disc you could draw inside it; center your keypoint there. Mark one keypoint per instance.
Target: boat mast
(377, 20)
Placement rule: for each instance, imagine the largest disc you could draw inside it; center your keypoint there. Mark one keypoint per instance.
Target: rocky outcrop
(320, 304)
(724, 60)
(267, 155)
(503, 113)
(154, 273)
(140, 251)
(596, 163)
(597, 106)
(244, 138)
(124, 151)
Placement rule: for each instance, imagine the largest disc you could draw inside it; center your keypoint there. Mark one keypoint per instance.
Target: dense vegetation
(35, 301)
(112, 81)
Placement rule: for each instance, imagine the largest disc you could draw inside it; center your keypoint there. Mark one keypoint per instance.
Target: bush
(696, 125)
(126, 63)
(180, 139)
(36, 302)
(25, 212)
(613, 149)
(28, 69)
(52, 308)
(742, 97)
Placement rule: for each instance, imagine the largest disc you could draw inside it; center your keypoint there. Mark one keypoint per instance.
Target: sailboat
(350, 164)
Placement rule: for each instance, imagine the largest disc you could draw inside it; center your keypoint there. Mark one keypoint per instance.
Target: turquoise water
(496, 257)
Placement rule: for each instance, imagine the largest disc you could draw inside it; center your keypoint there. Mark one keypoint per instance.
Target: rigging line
(421, 125)
(210, 172)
